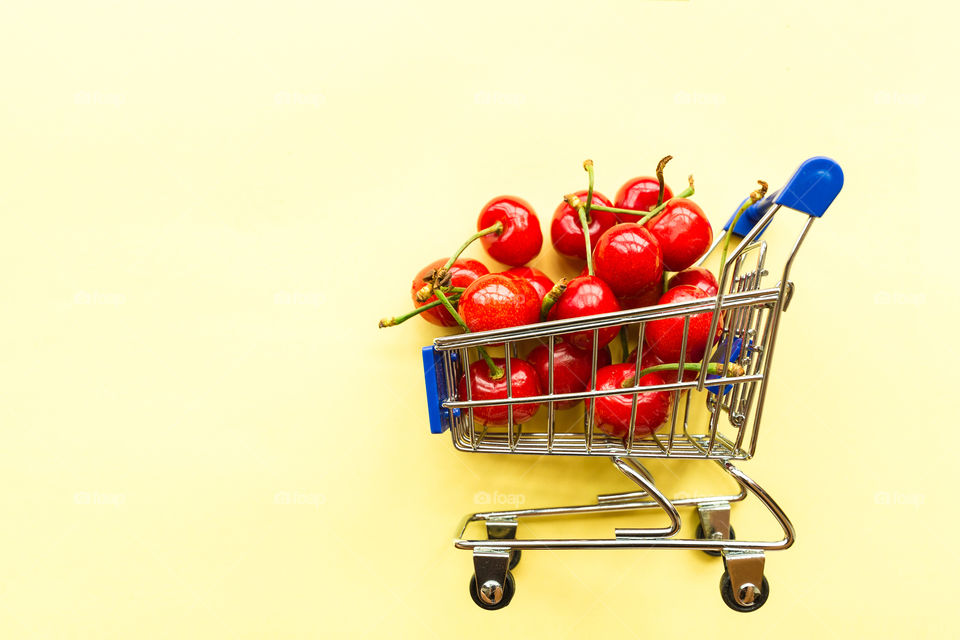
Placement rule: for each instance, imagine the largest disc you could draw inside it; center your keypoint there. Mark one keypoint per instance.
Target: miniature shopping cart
(747, 315)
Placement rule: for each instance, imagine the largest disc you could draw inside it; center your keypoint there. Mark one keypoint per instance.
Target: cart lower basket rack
(747, 317)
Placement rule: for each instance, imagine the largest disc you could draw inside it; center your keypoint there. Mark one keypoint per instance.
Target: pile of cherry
(630, 247)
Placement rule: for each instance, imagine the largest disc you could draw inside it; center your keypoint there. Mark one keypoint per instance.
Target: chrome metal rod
(774, 327)
(604, 320)
(583, 395)
(742, 479)
(722, 284)
(639, 474)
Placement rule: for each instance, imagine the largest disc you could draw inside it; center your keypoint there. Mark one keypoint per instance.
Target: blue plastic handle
(812, 189)
(435, 379)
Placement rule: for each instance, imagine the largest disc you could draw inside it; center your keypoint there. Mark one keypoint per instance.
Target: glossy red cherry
(698, 277)
(627, 257)
(521, 237)
(665, 336)
(586, 296)
(612, 413)
(462, 273)
(646, 298)
(524, 384)
(566, 232)
(571, 369)
(684, 233)
(497, 301)
(647, 359)
(540, 281)
(639, 194)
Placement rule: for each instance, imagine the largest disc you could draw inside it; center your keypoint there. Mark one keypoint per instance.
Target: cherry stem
(714, 368)
(496, 228)
(660, 166)
(755, 196)
(647, 215)
(582, 213)
(588, 166)
(495, 372)
(438, 274)
(392, 322)
(624, 344)
(552, 296)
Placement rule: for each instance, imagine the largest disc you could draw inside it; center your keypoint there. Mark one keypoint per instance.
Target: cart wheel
(726, 592)
(503, 594)
(700, 536)
(514, 558)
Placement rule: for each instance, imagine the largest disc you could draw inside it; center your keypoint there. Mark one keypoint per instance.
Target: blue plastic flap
(718, 357)
(436, 382)
(750, 217)
(812, 189)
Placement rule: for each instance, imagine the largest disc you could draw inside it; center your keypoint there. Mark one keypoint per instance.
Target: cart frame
(751, 318)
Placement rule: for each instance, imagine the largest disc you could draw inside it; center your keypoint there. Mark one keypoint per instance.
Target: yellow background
(207, 207)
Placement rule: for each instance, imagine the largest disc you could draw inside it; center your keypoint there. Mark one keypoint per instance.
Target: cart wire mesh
(719, 429)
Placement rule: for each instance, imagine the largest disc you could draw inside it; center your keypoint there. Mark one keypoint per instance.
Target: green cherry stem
(624, 344)
(575, 203)
(496, 228)
(495, 372)
(660, 166)
(445, 301)
(733, 370)
(394, 321)
(633, 212)
(647, 215)
(755, 197)
(552, 296)
(588, 166)
(434, 281)
(582, 213)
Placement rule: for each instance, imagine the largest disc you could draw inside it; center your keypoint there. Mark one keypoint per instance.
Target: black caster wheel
(700, 536)
(514, 558)
(726, 592)
(493, 590)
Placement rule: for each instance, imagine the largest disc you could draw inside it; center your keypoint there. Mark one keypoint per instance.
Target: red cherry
(603, 357)
(538, 279)
(612, 413)
(462, 273)
(695, 276)
(665, 336)
(646, 298)
(647, 359)
(524, 384)
(586, 296)
(639, 194)
(571, 368)
(566, 232)
(684, 233)
(627, 258)
(521, 238)
(497, 301)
